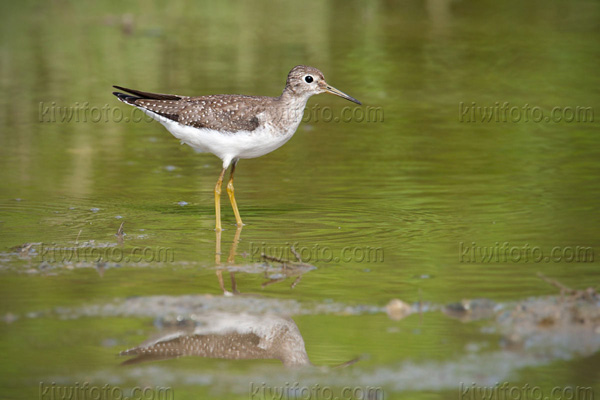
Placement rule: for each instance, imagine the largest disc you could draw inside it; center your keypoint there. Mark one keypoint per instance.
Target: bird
(232, 126)
(227, 336)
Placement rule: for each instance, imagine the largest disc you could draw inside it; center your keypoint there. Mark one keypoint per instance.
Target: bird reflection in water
(229, 336)
(232, 336)
(275, 269)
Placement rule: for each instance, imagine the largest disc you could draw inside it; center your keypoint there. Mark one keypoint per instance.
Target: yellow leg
(230, 192)
(218, 201)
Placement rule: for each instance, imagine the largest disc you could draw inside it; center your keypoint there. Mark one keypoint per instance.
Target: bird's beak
(332, 90)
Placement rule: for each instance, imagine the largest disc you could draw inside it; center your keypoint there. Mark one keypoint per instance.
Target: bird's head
(307, 81)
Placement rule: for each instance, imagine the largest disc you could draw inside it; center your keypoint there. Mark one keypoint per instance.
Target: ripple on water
(56, 221)
(347, 226)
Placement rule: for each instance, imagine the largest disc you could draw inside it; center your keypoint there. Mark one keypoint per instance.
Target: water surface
(399, 206)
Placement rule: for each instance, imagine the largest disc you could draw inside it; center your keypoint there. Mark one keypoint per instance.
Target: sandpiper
(233, 126)
(228, 336)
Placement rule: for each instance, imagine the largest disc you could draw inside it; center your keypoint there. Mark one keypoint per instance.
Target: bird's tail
(132, 95)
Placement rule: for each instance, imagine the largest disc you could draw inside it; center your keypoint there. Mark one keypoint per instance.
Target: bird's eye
(308, 78)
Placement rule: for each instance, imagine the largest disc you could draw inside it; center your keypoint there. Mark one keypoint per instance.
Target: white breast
(229, 146)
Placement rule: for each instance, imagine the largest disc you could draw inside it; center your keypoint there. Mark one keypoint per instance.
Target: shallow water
(423, 202)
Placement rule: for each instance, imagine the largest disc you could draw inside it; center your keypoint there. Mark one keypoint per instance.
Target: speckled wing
(233, 346)
(230, 113)
(225, 113)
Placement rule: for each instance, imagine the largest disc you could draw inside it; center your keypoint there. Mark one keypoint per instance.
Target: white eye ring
(309, 79)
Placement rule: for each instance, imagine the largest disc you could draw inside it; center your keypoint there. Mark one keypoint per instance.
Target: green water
(399, 205)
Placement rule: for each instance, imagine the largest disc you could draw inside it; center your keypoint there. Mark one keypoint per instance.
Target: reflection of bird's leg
(234, 290)
(218, 200)
(231, 258)
(220, 279)
(230, 192)
(218, 247)
(234, 244)
(233, 284)
(219, 271)
(218, 257)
